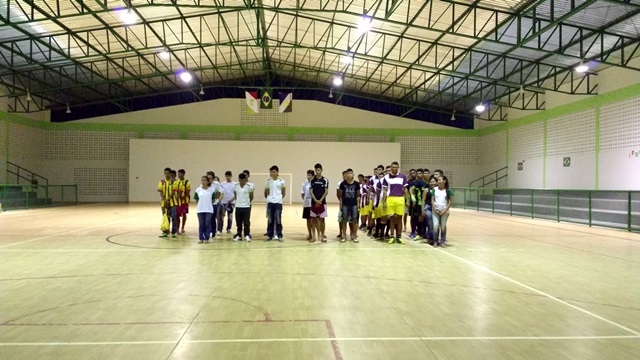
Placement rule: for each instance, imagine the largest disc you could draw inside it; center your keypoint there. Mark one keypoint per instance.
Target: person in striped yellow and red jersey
(184, 196)
(168, 194)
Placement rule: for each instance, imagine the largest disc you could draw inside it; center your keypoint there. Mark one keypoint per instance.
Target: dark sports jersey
(418, 187)
(349, 193)
(318, 187)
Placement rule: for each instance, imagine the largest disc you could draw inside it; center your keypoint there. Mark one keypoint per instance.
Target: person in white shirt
(226, 204)
(441, 199)
(306, 201)
(215, 185)
(243, 196)
(204, 196)
(274, 191)
(249, 179)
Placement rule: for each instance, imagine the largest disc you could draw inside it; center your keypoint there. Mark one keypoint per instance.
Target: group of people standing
(381, 204)
(215, 200)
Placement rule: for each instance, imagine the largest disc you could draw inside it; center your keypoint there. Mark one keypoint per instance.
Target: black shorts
(415, 210)
(306, 213)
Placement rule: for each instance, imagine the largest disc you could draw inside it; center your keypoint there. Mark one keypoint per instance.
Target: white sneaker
(219, 232)
(275, 237)
(247, 238)
(237, 238)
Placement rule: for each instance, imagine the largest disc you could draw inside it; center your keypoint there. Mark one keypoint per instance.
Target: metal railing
(21, 196)
(24, 176)
(491, 178)
(609, 208)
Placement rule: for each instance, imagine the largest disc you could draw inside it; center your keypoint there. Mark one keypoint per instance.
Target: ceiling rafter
(443, 55)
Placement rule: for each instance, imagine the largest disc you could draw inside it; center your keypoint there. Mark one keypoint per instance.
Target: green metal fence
(609, 208)
(20, 196)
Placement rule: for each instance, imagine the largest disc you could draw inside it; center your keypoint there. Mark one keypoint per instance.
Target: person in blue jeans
(226, 204)
(441, 200)
(428, 209)
(215, 185)
(274, 190)
(204, 196)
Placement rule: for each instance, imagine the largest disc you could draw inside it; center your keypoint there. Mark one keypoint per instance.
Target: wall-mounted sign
(566, 162)
(520, 165)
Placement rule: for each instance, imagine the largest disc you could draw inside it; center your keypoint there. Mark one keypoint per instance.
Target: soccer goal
(260, 179)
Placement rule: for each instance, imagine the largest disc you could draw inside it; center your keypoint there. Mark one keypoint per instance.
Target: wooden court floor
(96, 282)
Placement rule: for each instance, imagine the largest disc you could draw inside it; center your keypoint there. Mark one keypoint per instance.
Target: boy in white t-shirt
(215, 185)
(274, 191)
(226, 207)
(243, 196)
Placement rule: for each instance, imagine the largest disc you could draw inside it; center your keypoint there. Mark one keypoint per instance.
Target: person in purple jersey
(395, 197)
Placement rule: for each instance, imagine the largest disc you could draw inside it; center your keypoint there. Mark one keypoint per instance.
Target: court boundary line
(531, 288)
(331, 339)
(73, 231)
(547, 222)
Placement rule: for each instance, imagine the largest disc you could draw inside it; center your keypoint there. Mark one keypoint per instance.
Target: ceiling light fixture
(164, 54)
(582, 68)
(364, 23)
(331, 94)
(480, 107)
(337, 81)
(348, 58)
(201, 90)
(68, 111)
(521, 90)
(29, 98)
(185, 76)
(453, 116)
(126, 16)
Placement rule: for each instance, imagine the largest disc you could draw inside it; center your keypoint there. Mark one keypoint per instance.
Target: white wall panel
(619, 169)
(619, 162)
(572, 134)
(26, 147)
(580, 175)
(492, 149)
(620, 125)
(147, 160)
(526, 142)
(529, 177)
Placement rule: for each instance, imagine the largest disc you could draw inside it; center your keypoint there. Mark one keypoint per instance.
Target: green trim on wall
(16, 119)
(6, 148)
(597, 145)
(593, 102)
(506, 134)
(237, 130)
(544, 154)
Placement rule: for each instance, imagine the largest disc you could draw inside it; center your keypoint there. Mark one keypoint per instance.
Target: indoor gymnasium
(344, 179)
